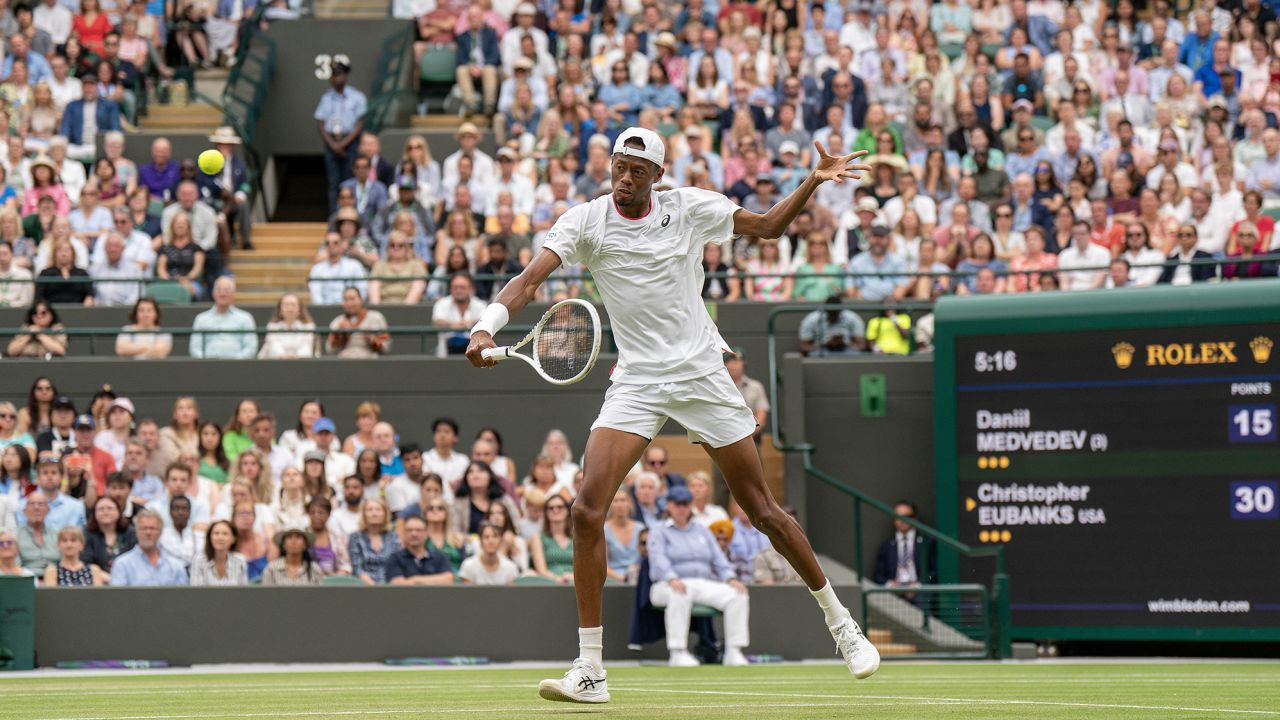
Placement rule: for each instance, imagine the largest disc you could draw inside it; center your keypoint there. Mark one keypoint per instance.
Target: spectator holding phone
(358, 332)
(833, 331)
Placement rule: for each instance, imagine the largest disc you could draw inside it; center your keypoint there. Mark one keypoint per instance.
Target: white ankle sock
(591, 643)
(834, 611)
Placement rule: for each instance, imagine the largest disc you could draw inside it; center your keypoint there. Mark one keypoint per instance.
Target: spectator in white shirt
(16, 288)
(337, 272)
(110, 273)
(346, 514)
(337, 464)
(457, 312)
(443, 459)
(291, 331)
(54, 18)
(65, 87)
(262, 431)
(138, 249)
(1083, 266)
(508, 181)
(509, 46)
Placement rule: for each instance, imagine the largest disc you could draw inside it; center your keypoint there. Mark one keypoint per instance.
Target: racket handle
(496, 354)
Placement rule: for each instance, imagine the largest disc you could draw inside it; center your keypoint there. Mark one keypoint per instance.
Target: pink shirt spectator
(33, 195)
(1022, 283)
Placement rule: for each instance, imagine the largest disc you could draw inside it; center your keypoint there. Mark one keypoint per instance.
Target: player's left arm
(775, 222)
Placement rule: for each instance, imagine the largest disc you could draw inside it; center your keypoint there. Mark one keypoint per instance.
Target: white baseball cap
(654, 150)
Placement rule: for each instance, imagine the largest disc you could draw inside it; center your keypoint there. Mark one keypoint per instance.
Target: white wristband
(493, 319)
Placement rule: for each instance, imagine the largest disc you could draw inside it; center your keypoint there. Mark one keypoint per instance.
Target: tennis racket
(566, 342)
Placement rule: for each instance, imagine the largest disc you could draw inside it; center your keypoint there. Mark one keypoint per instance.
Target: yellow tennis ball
(210, 161)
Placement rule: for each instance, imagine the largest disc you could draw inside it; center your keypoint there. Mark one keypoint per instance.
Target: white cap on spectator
(508, 152)
(526, 8)
(522, 63)
(1023, 104)
(654, 151)
(665, 39)
(868, 204)
(788, 146)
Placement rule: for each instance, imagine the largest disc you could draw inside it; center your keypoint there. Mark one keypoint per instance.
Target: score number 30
(1254, 500)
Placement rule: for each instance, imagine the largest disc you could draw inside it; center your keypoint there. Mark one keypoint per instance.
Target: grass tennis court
(779, 692)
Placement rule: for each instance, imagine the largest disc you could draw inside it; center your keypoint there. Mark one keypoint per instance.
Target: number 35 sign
(325, 62)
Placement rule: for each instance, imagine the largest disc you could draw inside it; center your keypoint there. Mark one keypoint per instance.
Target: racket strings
(566, 343)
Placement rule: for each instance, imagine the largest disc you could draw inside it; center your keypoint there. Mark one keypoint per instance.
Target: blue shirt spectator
(715, 168)
(1197, 50)
(366, 562)
(145, 564)
(662, 96)
(38, 69)
(688, 552)
(64, 511)
(136, 568)
(876, 260)
(1264, 174)
(621, 97)
(83, 119)
(340, 111)
(415, 564)
(224, 317)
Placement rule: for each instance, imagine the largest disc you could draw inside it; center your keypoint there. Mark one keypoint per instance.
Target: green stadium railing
(388, 85)
(426, 336)
(997, 614)
(243, 96)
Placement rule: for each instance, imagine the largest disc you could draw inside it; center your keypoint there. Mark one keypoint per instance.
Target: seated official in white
(688, 568)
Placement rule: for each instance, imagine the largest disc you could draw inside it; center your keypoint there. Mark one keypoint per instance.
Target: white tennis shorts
(710, 408)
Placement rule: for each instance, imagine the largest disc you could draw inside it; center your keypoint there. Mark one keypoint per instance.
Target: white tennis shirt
(649, 273)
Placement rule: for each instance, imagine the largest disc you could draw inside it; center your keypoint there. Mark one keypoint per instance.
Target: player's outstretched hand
(838, 168)
(480, 342)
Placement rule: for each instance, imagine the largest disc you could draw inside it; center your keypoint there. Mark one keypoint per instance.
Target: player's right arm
(513, 298)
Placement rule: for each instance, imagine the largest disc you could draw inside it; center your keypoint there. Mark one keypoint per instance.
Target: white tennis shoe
(733, 657)
(682, 658)
(584, 683)
(859, 654)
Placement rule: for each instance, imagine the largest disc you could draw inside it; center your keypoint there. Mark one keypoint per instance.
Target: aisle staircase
(279, 262)
(883, 640)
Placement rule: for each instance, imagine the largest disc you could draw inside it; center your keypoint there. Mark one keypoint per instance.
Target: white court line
(558, 708)
(974, 701)
(161, 690)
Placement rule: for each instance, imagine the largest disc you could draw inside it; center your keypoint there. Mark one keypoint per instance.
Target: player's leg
(610, 454)
(739, 462)
(618, 437)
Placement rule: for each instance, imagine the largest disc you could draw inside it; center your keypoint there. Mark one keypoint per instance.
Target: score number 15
(1251, 423)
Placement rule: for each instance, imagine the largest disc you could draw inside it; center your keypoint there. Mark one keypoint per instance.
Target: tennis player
(644, 251)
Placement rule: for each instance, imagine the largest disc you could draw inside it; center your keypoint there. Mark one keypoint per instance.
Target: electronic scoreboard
(1122, 446)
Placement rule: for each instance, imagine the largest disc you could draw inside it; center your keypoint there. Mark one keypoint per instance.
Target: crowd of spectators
(83, 219)
(94, 495)
(1024, 146)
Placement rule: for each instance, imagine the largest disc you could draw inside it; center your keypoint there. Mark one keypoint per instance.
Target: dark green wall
(288, 126)
(889, 458)
(356, 624)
